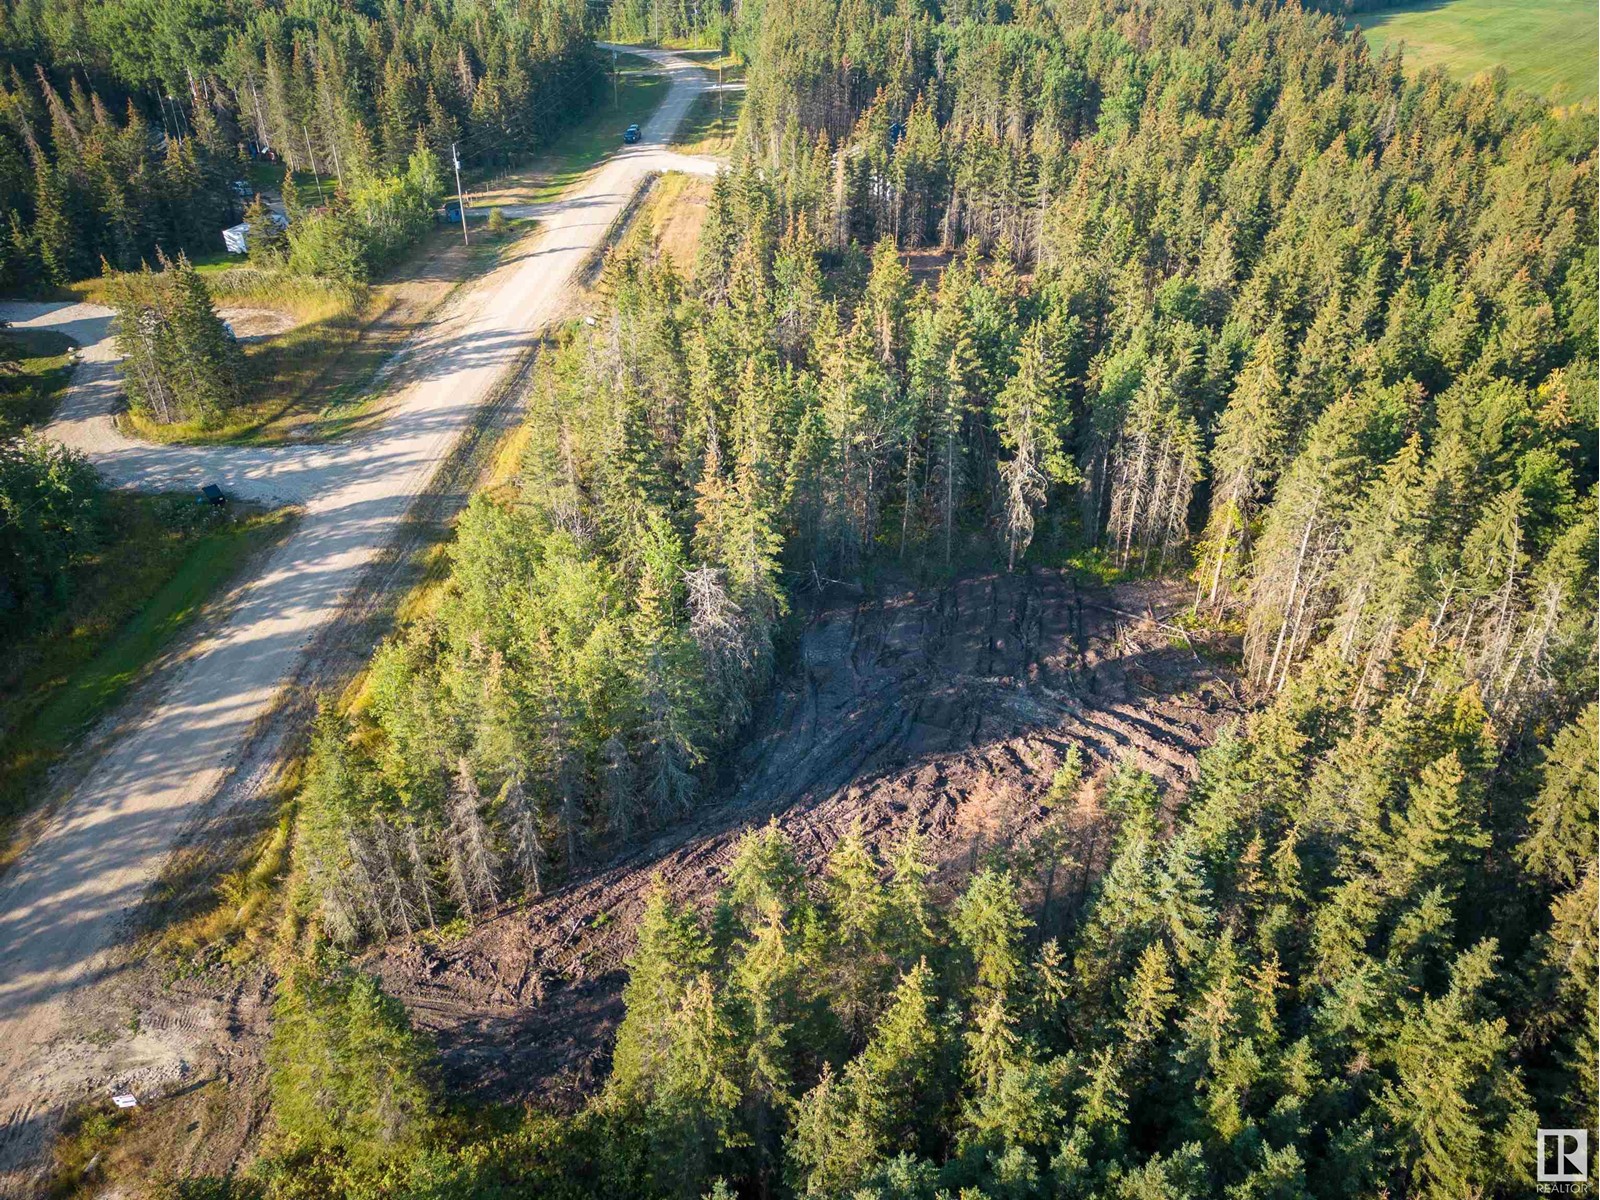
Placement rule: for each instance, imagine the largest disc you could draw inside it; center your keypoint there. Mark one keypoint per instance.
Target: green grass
(267, 179)
(34, 368)
(711, 122)
(582, 146)
(90, 1131)
(166, 557)
(1547, 47)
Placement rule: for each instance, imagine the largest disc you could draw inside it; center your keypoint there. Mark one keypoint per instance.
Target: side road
(63, 904)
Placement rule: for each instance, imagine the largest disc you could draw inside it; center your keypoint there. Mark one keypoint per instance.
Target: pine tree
(1304, 531)
(1244, 459)
(1437, 836)
(520, 818)
(1150, 998)
(268, 244)
(671, 952)
(1460, 1117)
(664, 672)
(471, 854)
(694, 1110)
(346, 1069)
(1032, 418)
(53, 232)
(768, 986)
(1559, 850)
(990, 923)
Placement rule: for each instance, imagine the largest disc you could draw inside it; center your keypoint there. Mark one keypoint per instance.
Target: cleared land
(1547, 47)
(674, 213)
(948, 708)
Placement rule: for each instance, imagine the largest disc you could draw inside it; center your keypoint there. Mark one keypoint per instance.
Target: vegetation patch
(313, 381)
(711, 124)
(670, 219)
(35, 365)
(237, 918)
(80, 1151)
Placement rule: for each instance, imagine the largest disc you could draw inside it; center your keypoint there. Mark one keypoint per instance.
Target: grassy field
(674, 213)
(267, 179)
(166, 558)
(1547, 47)
(34, 367)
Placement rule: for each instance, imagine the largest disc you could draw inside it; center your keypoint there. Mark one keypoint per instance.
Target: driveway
(64, 902)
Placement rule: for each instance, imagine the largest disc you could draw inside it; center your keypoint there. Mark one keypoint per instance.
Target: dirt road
(64, 903)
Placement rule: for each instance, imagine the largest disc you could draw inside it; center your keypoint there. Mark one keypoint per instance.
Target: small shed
(237, 237)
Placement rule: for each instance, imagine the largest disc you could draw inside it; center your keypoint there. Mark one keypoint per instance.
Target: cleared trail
(64, 903)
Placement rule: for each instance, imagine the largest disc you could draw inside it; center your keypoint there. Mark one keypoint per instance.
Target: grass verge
(1547, 47)
(674, 214)
(35, 365)
(167, 558)
(314, 381)
(711, 123)
(579, 148)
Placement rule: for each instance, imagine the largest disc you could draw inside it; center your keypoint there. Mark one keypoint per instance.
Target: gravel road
(65, 901)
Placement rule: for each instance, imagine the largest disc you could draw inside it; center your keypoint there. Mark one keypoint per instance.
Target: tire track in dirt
(949, 709)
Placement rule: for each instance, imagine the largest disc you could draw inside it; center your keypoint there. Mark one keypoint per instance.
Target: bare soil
(946, 708)
(255, 324)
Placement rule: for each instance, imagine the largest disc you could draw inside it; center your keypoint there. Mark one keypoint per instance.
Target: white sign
(124, 1100)
(1563, 1155)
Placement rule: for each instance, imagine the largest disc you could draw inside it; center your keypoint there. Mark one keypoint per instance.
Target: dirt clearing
(945, 708)
(254, 324)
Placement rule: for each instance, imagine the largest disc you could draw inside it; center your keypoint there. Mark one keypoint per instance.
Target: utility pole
(615, 103)
(314, 172)
(461, 199)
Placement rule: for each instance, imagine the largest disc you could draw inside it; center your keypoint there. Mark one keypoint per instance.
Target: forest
(123, 124)
(1199, 289)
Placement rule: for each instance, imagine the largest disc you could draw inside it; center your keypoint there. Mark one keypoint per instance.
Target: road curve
(63, 903)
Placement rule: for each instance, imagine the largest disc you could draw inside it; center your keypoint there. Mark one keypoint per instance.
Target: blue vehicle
(630, 135)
